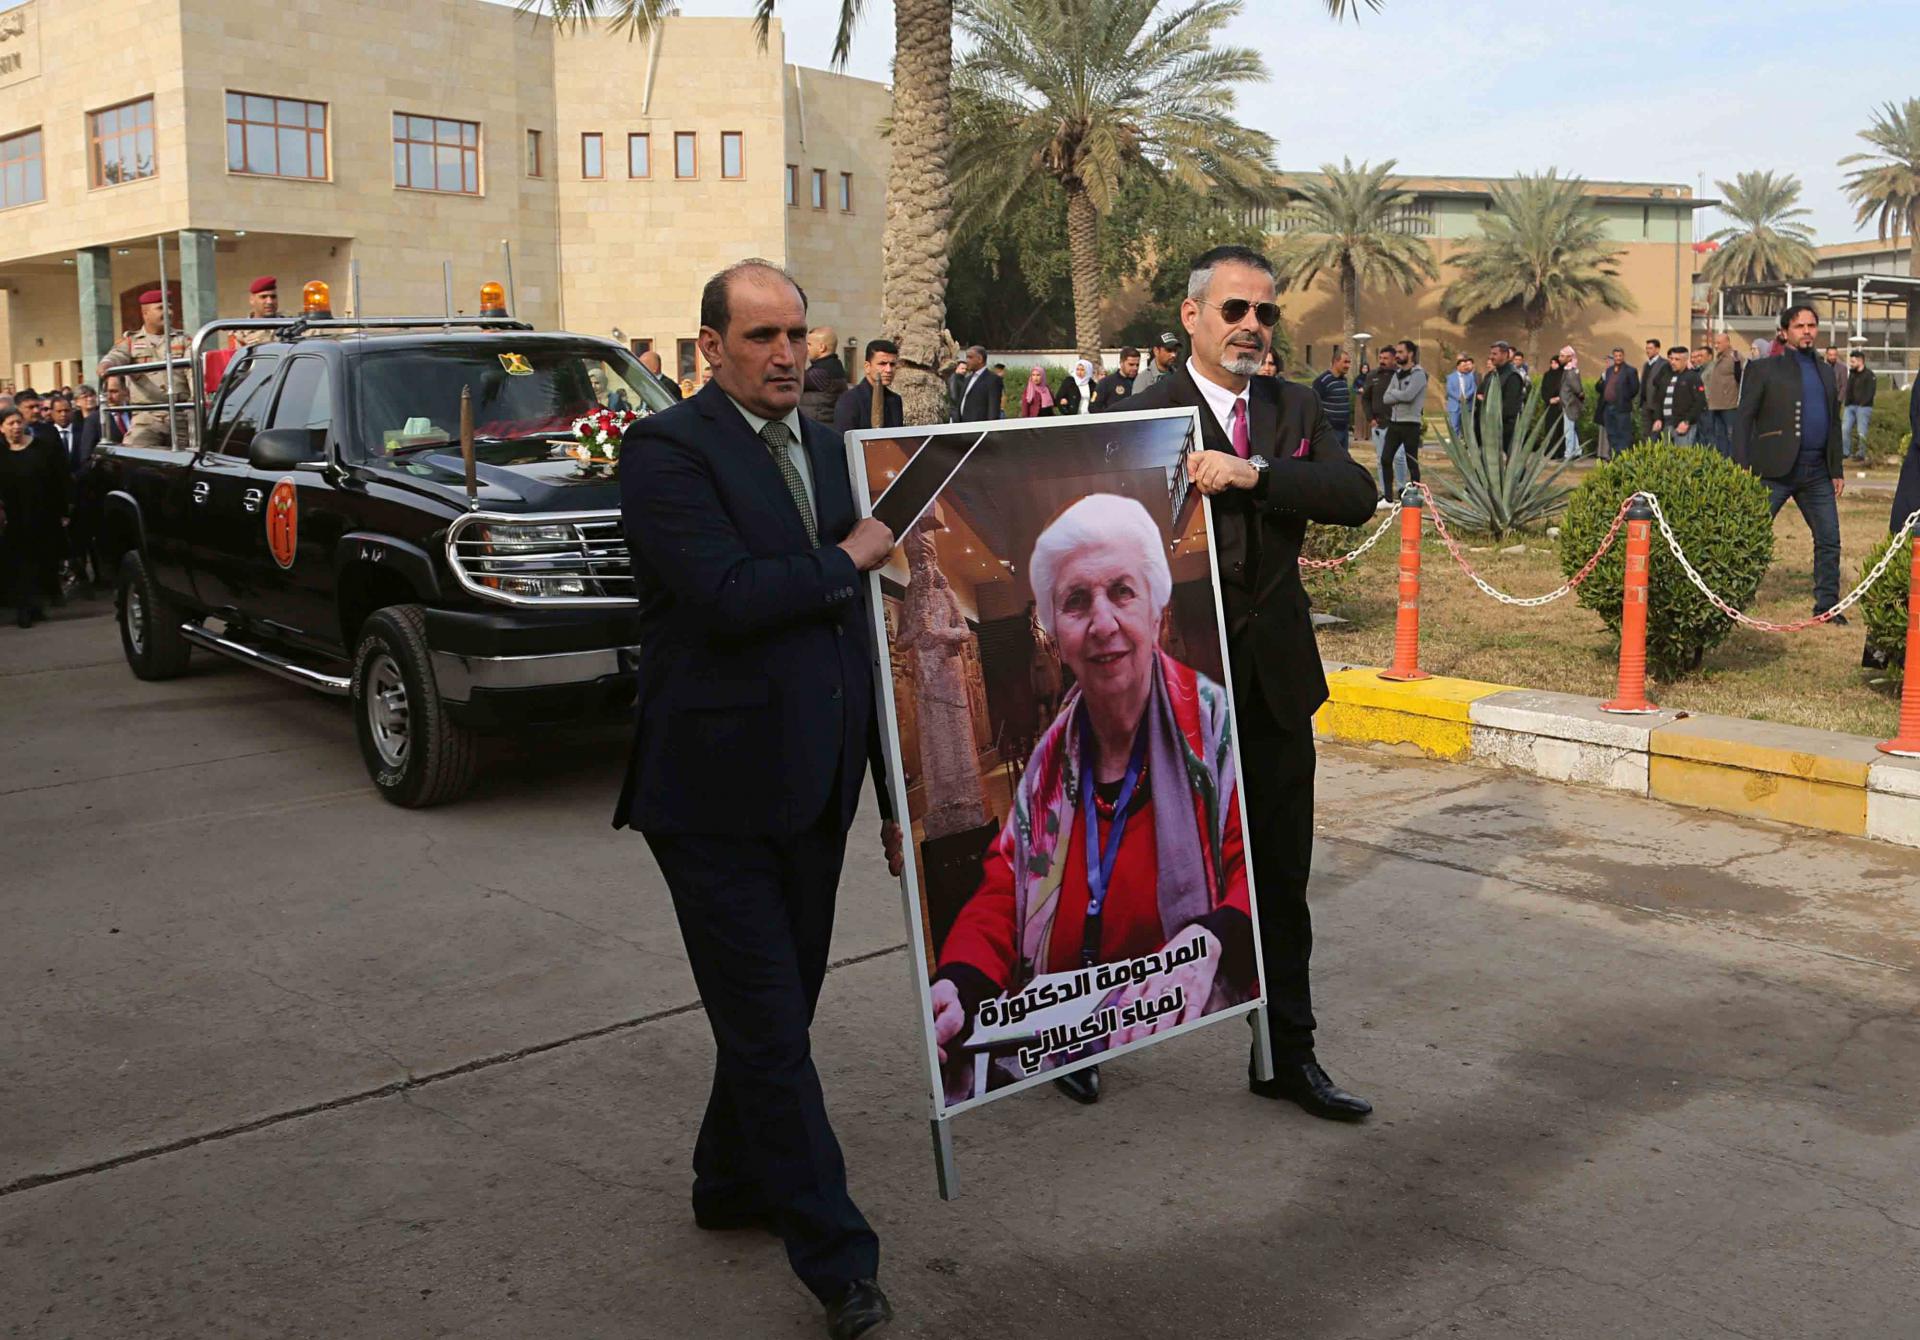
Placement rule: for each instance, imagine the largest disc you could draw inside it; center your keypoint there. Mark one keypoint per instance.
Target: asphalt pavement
(278, 1059)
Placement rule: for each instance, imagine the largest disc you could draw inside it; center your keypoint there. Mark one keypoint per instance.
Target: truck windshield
(410, 398)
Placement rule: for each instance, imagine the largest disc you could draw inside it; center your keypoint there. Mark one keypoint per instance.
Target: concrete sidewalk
(285, 1061)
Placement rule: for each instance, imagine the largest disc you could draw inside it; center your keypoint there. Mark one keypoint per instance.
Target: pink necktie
(1241, 446)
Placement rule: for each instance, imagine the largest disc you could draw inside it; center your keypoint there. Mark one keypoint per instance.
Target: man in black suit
(857, 404)
(755, 725)
(650, 360)
(1787, 432)
(1271, 465)
(977, 389)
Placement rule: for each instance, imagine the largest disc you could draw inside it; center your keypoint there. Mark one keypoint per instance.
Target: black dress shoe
(862, 1310)
(1838, 621)
(1083, 1086)
(1305, 1083)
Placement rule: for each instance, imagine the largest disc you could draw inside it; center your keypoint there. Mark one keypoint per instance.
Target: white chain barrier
(1572, 584)
(1897, 549)
(1325, 564)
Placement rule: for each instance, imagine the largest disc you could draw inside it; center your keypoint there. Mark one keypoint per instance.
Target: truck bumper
(530, 668)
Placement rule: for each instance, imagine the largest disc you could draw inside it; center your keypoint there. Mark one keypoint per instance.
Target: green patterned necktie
(777, 435)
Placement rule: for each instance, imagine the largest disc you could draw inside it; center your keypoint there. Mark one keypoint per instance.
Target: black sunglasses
(1234, 310)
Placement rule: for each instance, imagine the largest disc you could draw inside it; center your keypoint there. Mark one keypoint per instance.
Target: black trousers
(1399, 435)
(757, 916)
(1277, 761)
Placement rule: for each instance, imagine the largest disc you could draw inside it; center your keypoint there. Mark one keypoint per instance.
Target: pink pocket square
(1300, 451)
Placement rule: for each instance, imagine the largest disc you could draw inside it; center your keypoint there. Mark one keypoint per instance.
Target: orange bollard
(1406, 627)
(1906, 742)
(1630, 696)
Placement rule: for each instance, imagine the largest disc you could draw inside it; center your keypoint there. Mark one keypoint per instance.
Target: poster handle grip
(1262, 1045)
(944, 1166)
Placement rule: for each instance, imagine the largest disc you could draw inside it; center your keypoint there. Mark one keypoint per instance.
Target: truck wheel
(149, 623)
(416, 754)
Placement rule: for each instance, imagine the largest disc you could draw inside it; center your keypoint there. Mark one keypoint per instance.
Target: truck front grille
(555, 560)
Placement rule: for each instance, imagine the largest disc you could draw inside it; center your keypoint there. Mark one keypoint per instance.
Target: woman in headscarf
(1123, 839)
(35, 491)
(1076, 392)
(1037, 398)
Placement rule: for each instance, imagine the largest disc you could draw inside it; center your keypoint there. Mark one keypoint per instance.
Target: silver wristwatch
(1257, 462)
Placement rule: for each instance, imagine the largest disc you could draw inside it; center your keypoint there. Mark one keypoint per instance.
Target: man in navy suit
(755, 725)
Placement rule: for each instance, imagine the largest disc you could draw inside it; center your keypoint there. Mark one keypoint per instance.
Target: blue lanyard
(1102, 856)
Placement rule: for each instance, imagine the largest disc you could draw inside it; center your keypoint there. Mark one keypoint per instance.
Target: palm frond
(1542, 249)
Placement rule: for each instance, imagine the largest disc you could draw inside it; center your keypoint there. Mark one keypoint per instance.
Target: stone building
(312, 137)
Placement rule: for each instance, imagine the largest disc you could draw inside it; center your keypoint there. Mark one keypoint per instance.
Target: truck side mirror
(285, 448)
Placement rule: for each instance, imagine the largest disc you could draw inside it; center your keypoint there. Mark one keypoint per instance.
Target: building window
(819, 188)
(434, 154)
(846, 193)
(793, 183)
(733, 155)
(23, 177)
(534, 168)
(686, 157)
(276, 137)
(593, 165)
(639, 156)
(122, 140)
(686, 359)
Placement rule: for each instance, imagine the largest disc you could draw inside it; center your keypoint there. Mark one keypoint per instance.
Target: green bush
(1719, 514)
(1887, 431)
(1885, 607)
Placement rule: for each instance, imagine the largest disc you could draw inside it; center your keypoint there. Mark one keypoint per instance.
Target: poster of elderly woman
(1060, 734)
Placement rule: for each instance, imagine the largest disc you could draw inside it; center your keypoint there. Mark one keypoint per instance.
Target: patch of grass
(1811, 678)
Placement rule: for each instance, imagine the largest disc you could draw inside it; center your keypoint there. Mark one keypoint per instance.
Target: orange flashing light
(493, 300)
(316, 300)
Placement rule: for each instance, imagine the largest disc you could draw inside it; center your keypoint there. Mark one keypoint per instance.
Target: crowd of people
(47, 511)
(1690, 396)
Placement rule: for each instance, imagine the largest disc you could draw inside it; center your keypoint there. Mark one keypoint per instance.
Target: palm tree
(1343, 224)
(1886, 188)
(1766, 243)
(913, 268)
(1542, 249)
(1083, 91)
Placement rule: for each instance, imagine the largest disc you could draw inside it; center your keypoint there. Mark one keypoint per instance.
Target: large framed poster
(1058, 717)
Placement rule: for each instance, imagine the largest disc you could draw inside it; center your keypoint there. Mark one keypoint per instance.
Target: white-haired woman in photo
(1139, 760)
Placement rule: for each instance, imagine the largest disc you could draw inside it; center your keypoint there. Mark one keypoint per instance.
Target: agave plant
(1502, 491)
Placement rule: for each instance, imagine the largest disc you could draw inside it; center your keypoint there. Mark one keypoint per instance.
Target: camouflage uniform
(244, 338)
(149, 428)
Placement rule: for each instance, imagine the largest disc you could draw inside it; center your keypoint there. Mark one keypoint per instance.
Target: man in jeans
(1573, 399)
(1722, 378)
(1858, 411)
(1405, 398)
(1619, 392)
(1377, 414)
(1336, 396)
(1787, 433)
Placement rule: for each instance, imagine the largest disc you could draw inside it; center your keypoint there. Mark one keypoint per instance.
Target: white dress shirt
(1221, 401)
(796, 448)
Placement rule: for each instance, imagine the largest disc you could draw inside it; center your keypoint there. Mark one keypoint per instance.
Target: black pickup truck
(321, 528)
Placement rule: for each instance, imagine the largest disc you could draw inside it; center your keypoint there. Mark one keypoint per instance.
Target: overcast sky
(1619, 89)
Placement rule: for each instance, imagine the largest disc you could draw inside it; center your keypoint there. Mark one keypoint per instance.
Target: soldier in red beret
(150, 344)
(263, 301)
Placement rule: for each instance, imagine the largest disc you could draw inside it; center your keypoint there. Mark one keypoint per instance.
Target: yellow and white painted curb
(1790, 774)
